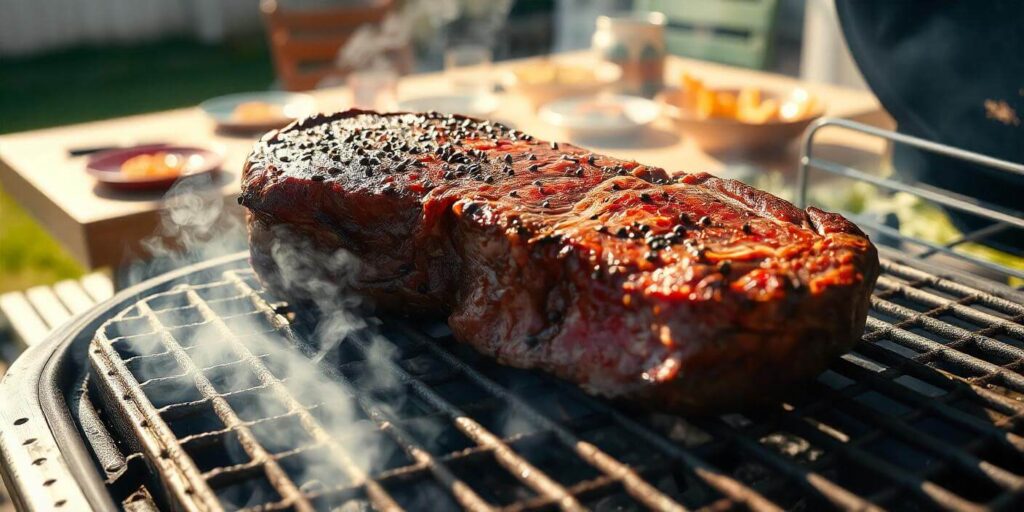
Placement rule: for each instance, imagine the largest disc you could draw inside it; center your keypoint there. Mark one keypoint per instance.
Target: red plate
(105, 166)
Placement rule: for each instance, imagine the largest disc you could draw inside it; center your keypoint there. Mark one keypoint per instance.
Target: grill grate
(926, 413)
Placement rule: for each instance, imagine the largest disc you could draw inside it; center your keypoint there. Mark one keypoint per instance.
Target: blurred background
(125, 124)
(72, 61)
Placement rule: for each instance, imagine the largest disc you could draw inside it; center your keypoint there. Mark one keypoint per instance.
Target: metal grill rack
(925, 413)
(1000, 219)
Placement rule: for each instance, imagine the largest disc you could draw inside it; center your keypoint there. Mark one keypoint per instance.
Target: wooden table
(101, 227)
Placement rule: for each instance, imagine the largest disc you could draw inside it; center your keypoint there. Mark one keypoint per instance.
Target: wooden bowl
(717, 134)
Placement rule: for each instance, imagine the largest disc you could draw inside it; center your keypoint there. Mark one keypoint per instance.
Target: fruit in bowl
(543, 81)
(743, 119)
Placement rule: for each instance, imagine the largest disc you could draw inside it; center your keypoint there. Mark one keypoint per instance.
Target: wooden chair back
(737, 32)
(304, 43)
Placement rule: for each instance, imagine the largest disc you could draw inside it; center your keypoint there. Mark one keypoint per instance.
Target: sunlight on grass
(86, 84)
(28, 255)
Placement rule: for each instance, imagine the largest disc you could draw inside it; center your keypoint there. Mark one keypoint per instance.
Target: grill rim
(50, 371)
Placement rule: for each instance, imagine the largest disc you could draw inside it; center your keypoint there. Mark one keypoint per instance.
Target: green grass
(87, 84)
(28, 256)
(96, 83)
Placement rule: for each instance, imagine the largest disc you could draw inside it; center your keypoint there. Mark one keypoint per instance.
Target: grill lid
(238, 403)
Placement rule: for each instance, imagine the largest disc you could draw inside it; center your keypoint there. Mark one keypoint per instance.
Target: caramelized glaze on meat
(681, 291)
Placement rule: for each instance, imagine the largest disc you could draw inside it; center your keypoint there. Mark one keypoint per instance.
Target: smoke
(195, 225)
(459, 21)
(344, 346)
(343, 365)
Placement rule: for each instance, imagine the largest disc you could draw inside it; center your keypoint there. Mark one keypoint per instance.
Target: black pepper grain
(725, 267)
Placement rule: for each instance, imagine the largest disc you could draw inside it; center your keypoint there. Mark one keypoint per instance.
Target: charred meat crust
(686, 292)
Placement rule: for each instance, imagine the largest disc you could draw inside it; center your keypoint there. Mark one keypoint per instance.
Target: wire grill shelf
(925, 413)
(997, 219)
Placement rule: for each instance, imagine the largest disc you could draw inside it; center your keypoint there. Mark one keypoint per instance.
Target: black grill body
(133, 406)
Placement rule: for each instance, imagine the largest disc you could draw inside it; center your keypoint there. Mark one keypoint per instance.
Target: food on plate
(544, 81)
(746, 105)
(154, 165)
(257, 112)
(681, 292)
(601, 109)
(551, 72)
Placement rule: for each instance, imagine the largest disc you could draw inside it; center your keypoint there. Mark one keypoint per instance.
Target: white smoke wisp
(198, 225)
(480, 20)
(343, 319)
(371, 42)
(195, 225)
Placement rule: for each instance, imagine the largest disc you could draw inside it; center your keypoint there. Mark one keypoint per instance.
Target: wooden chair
(305, 43)
(34, 313)
(737, 32)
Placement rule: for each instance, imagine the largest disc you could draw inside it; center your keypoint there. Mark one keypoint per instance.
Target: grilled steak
(685, 292)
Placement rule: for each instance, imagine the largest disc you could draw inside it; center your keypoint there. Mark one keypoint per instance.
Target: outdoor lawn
(88, 84)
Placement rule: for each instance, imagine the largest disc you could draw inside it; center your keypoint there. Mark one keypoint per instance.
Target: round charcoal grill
(197, 391)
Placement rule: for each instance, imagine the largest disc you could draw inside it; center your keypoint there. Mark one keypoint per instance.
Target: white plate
(469, 105)
(601, 116)
(293, 105)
